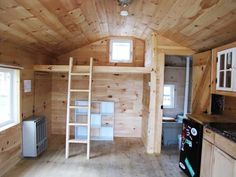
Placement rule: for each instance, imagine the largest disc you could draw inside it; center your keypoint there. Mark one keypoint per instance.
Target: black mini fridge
(191, 148)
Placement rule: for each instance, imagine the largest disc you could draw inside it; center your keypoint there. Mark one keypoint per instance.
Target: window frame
(172, 95)
(14, 100)
(111, 50)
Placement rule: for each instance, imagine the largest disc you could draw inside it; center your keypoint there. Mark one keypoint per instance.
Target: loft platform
(96, 69)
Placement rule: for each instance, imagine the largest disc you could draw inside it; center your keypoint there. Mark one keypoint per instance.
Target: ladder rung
(84, 141)
(80, 74)
(78, 124)
(79, 107)
(79, 90)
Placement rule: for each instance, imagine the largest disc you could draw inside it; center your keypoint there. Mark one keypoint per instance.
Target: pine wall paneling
(124, 89)
(10, 139)
(201, 83)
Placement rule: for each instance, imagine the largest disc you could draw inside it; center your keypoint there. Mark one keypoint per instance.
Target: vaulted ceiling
(59, 26)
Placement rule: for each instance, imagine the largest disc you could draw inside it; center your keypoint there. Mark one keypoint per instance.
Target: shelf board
(96, 69)
(95, 138)
(107, 114)
(105, 126)
(95, 126)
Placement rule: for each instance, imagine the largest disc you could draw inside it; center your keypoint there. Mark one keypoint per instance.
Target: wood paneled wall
(42, 96)
(201, 83)
(10, 139)
(124, 89)
(100, 51)
(230, 107)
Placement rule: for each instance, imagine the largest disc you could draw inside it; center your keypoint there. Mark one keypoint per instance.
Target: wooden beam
(169, 47)
(154, 129)
(159, 101)
(96, 69)
(153, 93)
(11, 66)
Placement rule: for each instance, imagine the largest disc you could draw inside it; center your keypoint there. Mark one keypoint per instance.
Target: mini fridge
(191, 148)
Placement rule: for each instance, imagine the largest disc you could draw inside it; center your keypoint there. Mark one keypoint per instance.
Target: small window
(9, 98)
(169, 96)
(121, 51)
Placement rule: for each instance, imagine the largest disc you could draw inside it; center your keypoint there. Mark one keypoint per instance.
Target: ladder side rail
(89, 107)
(68, 108)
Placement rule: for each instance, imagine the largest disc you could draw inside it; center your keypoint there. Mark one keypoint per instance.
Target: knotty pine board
(230, 107)
(201, 83)
(42, 97)
(10, 139)
(124, 89)
(61, 26)
(100, 52)
(145, 102)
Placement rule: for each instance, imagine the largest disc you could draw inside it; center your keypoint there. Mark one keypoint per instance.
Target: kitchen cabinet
(223, 70)
(206, 162)
(215, 162)
(226, 72)
(223, 164)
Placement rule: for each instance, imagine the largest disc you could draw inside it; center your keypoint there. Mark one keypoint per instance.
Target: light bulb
(124, 13)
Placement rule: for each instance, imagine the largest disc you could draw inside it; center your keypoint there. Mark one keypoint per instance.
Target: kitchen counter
(225, 126)
(221, 141)
(206, 118)
(228, 130)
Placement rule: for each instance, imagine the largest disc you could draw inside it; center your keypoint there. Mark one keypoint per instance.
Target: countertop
(224, 143)
(206, 118)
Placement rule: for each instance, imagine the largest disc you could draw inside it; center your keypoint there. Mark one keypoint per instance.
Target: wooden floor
(124, 157)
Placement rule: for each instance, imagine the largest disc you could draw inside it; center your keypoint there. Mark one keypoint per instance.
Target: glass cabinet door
(225, 70)
(222, 70)
(228, 79)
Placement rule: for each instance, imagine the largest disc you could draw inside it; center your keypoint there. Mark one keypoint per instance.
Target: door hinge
(161, 106)
(216, 80)
(216, 59)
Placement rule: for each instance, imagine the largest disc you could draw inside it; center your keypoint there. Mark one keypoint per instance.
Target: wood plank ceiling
(59, 26)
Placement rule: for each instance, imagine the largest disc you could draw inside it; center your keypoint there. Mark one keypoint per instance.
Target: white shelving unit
(102, 120)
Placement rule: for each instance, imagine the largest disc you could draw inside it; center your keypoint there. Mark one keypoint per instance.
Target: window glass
(169, 96)
(9, 96)
(121, 51)
(222, 62)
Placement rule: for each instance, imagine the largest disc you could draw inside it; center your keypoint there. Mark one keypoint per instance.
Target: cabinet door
(223, 164)
(206, 160)
(225, 69)
(234, 69)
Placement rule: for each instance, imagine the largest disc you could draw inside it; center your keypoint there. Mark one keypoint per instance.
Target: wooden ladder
(69, 107)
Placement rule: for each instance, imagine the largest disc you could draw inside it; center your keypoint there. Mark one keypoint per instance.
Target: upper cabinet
(223, 75)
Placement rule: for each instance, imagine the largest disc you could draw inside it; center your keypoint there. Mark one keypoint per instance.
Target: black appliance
(191, 148)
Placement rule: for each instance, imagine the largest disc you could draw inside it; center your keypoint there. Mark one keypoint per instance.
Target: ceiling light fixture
(124, 2)
(124, 6)
(124, 13)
